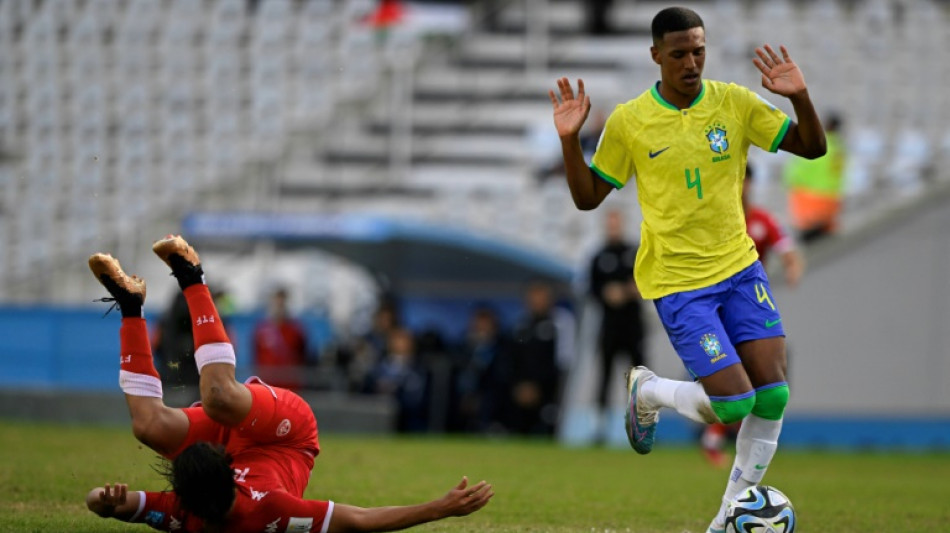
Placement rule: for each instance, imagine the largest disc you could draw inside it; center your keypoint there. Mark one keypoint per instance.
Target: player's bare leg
(224, 399)
(159, 427)
(729, 381)
(764, 363)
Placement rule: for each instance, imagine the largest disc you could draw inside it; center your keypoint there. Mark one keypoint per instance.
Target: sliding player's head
(203, 480)
(679, 47)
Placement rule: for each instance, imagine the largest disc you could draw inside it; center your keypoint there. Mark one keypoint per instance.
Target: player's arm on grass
(113, 501)
(781, 75)
(570, 112)
(462, 500)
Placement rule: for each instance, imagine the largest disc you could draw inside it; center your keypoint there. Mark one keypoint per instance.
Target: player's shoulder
(719, 91)
(635, 107)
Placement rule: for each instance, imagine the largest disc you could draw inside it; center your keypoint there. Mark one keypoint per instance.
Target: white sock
(687, 397)
(215, 352)
(755, 447)
(140, 384)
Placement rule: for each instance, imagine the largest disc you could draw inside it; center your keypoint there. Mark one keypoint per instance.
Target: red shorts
(280, 425)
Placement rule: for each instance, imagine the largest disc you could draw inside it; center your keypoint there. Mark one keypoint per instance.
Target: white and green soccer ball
(760, 509)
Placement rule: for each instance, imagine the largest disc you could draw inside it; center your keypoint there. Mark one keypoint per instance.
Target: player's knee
(216, 395)
(731, 409)
(770, 401)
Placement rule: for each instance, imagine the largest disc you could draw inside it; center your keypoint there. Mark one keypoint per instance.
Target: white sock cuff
(140, 384)
(216, 352)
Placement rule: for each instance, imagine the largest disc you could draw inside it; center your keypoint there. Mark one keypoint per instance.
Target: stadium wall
(867, 346)
(59, 364)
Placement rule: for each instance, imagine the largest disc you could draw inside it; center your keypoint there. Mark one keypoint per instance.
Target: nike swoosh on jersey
(770, 323)
(658, 152)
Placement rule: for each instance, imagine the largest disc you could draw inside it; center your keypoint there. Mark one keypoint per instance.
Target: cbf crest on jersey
(716, 134)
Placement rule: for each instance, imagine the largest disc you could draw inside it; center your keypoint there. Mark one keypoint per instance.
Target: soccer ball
(760, 509)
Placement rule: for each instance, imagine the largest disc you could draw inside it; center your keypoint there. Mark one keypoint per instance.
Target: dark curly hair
(203, 479)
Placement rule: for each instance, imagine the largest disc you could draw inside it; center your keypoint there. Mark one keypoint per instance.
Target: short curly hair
(674, 19)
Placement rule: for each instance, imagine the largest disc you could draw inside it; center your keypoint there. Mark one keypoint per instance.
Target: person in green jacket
(816, 187)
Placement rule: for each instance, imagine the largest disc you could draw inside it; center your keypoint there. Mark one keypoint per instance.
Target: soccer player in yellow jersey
(685, 142)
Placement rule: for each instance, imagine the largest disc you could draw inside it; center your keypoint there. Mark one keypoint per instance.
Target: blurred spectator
(432, 355)
(591, 134)
(399, 374)
(543, 346)
(363, 354)
(481, 382)
(386, 14)
(280, 345)
(174, 348)
(768, 235)
(597, 16)
(615, 291)
(816, 186)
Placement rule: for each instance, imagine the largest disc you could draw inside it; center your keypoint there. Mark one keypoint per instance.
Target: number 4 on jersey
(690, 183)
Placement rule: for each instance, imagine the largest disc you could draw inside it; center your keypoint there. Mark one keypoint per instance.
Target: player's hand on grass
(464, 500)
(779, 74)
(110, 497)
(570, 112)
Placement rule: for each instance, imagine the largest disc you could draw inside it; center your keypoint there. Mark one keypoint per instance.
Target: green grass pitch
(46, 470)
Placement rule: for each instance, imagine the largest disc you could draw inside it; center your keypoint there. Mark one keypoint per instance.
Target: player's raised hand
(779, 74)
(463, 500)
(570, 112)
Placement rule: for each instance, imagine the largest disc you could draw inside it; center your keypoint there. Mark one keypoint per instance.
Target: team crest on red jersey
(283, 428)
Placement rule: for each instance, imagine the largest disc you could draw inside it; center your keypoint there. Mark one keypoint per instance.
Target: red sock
(136, 356)
(206, 325)
(137, 374)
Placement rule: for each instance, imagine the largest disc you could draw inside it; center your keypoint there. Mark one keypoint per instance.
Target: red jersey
(273, 451)
(280, 348)
(767, 233)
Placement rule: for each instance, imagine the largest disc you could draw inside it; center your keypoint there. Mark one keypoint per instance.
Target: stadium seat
(12, 14)
(912, 152)
(216, 84)
(9, 94)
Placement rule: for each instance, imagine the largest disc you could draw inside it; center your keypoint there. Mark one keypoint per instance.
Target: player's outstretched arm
(113, 501)
(462, 500)
(782, 76)
(570, 113)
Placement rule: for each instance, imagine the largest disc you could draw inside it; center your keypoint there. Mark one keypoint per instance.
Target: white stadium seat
(125, 96)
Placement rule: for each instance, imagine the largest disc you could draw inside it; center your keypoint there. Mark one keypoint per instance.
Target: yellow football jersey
(689, 165)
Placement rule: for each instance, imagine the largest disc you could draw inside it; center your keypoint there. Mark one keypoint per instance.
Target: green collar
(660, 100)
